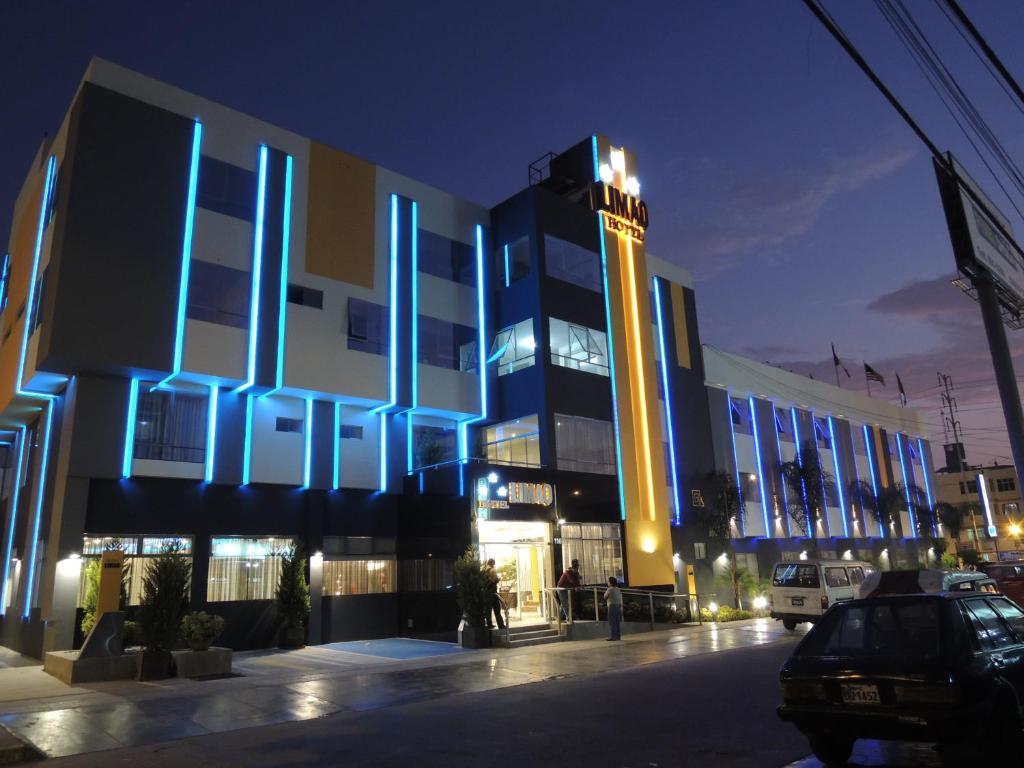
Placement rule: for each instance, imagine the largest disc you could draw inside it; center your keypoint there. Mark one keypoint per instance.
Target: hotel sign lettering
(541, 494)
(625, 213)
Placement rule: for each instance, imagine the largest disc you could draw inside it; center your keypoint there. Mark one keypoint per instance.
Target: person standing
(568, 583)
(613, 598)
(494, 600)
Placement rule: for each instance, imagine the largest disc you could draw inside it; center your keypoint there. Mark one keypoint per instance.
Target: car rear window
(903, 628)
(796, 575)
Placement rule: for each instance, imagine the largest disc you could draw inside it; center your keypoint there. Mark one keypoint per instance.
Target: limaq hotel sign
(624, 211)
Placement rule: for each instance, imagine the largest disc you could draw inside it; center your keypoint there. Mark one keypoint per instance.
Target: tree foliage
(722, 508)
(808, 482)
(292, 594)
(472, 590)
(165, 591)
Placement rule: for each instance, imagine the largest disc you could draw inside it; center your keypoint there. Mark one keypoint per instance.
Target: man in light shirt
(613, 597)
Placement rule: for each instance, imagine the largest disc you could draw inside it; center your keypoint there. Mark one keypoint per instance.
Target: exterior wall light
(492, 478)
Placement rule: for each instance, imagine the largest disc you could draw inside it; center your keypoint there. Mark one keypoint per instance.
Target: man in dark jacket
(568, 583)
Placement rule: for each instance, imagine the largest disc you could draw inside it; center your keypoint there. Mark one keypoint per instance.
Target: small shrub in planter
(200, 628)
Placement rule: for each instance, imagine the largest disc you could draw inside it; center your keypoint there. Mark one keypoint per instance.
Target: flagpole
(867, 380)
(836, 369)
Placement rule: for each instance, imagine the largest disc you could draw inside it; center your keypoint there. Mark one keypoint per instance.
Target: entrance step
(526, 635)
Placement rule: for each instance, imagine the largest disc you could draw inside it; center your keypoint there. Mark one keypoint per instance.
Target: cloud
(762, 210)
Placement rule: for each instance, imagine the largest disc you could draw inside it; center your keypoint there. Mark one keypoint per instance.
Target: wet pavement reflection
(869, 753)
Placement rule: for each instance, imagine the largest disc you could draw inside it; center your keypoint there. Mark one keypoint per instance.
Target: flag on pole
(903, 392)
(872, 375)
(837, 363)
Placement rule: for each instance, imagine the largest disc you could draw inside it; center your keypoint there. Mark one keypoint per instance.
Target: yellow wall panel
(679, 322)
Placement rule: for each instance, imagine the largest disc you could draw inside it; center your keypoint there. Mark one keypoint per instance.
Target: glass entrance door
(522, 557)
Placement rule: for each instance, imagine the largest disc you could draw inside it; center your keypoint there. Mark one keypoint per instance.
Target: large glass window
(359, 576)
(425, 575)
(439, 256)
(597, 546)
(740, 413)
(514, 442)
(513, 347)
(245, 568)
(446, 345)
(584, 445)
(434, 440)
(576, 346)
(218, 294)
(139, 552)
(226, 188)
(572, 263)
(170, 426)
(513, 261)
(367, 327)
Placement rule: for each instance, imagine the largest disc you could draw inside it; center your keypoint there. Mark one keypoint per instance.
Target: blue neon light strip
(839, 477)
(247, 447)
(782, 480)
(383, 485)
(336, 478)
(51, 172)
(129, 429)
(824, 490)
(611, 353)
(924, 476)
(668, 402)
(15, 493)
(257, 269)
(508, 277)
(307, 459)
(800, 462)
(286, 235)
(4, 277)
(408, 442)
(211, 433)
(906, 487)
(760, 468)
(392, 314)
(871, 471)
(983, 493)
(593, 150)
(40, 493)
(186, 252)
(481, 342)
(414, 270)
(741, 522)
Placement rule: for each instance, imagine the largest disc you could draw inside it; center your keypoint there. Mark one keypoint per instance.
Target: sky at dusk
(805, 209)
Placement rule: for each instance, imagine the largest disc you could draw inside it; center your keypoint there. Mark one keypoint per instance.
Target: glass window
(751, 488)
(226, 188)
(1011, 614)
(136, 560)
(856, 575)
(425, 575)
(991, 630)
(907, 628)
(284, 424)
(350, 432)
(306, 297)
(512, 261)
(514, 442)
(37, 302)
(700, 550)
(367, 327)
(836, 577)
(513, 347)
(578, 347)
(5, 281)
(1005, 484)
(572, 263)
(245, 568)
(783, 427)
(796, 575)
(597, 547)
(446, 345)
(449, 259)
(218, 294)
(822, 435)
(433, 443)
(741, 416)
(584, 445)
(359, 577)
(170, 426)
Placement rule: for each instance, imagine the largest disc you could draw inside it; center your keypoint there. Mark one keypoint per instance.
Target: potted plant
(293, 598)
(165, 590)
(472, 594)
(199, 628)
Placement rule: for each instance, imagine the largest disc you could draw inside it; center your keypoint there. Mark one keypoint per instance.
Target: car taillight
(824, 602)
(802, 690)
(925, 694)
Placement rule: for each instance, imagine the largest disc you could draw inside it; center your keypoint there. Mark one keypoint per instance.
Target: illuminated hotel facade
(222, 335)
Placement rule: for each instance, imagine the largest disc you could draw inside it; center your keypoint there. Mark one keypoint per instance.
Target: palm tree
(724, 508)
(808, 482)
(886, 505)
(862, 493)
(953, 517)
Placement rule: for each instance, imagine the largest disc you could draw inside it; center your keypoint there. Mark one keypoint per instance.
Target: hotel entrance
(522, 557)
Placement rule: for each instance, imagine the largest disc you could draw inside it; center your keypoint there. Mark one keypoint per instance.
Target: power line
(986, 48)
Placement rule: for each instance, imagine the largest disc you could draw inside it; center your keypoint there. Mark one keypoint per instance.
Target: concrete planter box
(68, 668)
(213, 661)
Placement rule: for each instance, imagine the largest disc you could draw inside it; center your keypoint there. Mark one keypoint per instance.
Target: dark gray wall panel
(101, 412)
(230, 446)
(325, 438)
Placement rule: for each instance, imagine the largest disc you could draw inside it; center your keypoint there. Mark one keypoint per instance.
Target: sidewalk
(278, 686)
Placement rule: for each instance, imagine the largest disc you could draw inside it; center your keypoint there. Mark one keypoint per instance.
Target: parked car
(1009, 576)
(946, 668)
(925, 580)
(804, 590)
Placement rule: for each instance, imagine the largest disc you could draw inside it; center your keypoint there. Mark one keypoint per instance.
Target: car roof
(822, 561)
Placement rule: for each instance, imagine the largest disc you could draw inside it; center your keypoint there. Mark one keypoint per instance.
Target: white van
(804, 590)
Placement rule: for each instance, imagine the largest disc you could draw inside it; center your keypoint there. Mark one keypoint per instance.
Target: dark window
(307, 297)
(284, 424)
(741, 417)
(907, 628)
(513, 261)
(821, 433)
(1005, 484)
(52, 203)
(796, 575)
(367, 327)
(992, 631)
(5, 281)
(37, 302)
(836, 577)
(226, 188)
(218, 294)
(170, 426)
(972, 486)
(433, 444)
(350, 432)
(737, 417)
(439, 256)
(446, 345)
(856, 575)
(572, 263)
(1011, 614)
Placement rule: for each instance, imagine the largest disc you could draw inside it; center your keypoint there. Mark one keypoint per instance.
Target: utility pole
(951, 424)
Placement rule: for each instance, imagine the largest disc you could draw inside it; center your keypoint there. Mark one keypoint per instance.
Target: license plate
(796, 600)
(859, 694)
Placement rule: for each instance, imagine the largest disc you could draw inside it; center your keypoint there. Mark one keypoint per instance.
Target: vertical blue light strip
(15, 493)
(741, 522)
(211, 433)
(983, 494)
(415, 279)
(257, 269)
(760, 468)
(129, 429)
(800, 462)
(508, 276)
(4, 277)
(383, 485)
(668, 401)
(51, 171)
(247, 446)
(393, 311)
(307, 458)
(906, 487)
(874, 481)
(611, 353)
(824, 490)
(408, 442)
(839, 477)
(336, 478)
(186, 252)
(481, 348)
(782, 480)
(286, 236)
(927, 482)
(40, 492)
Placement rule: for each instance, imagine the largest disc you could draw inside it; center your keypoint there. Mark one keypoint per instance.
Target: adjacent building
(990, 502)
(223, 336)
